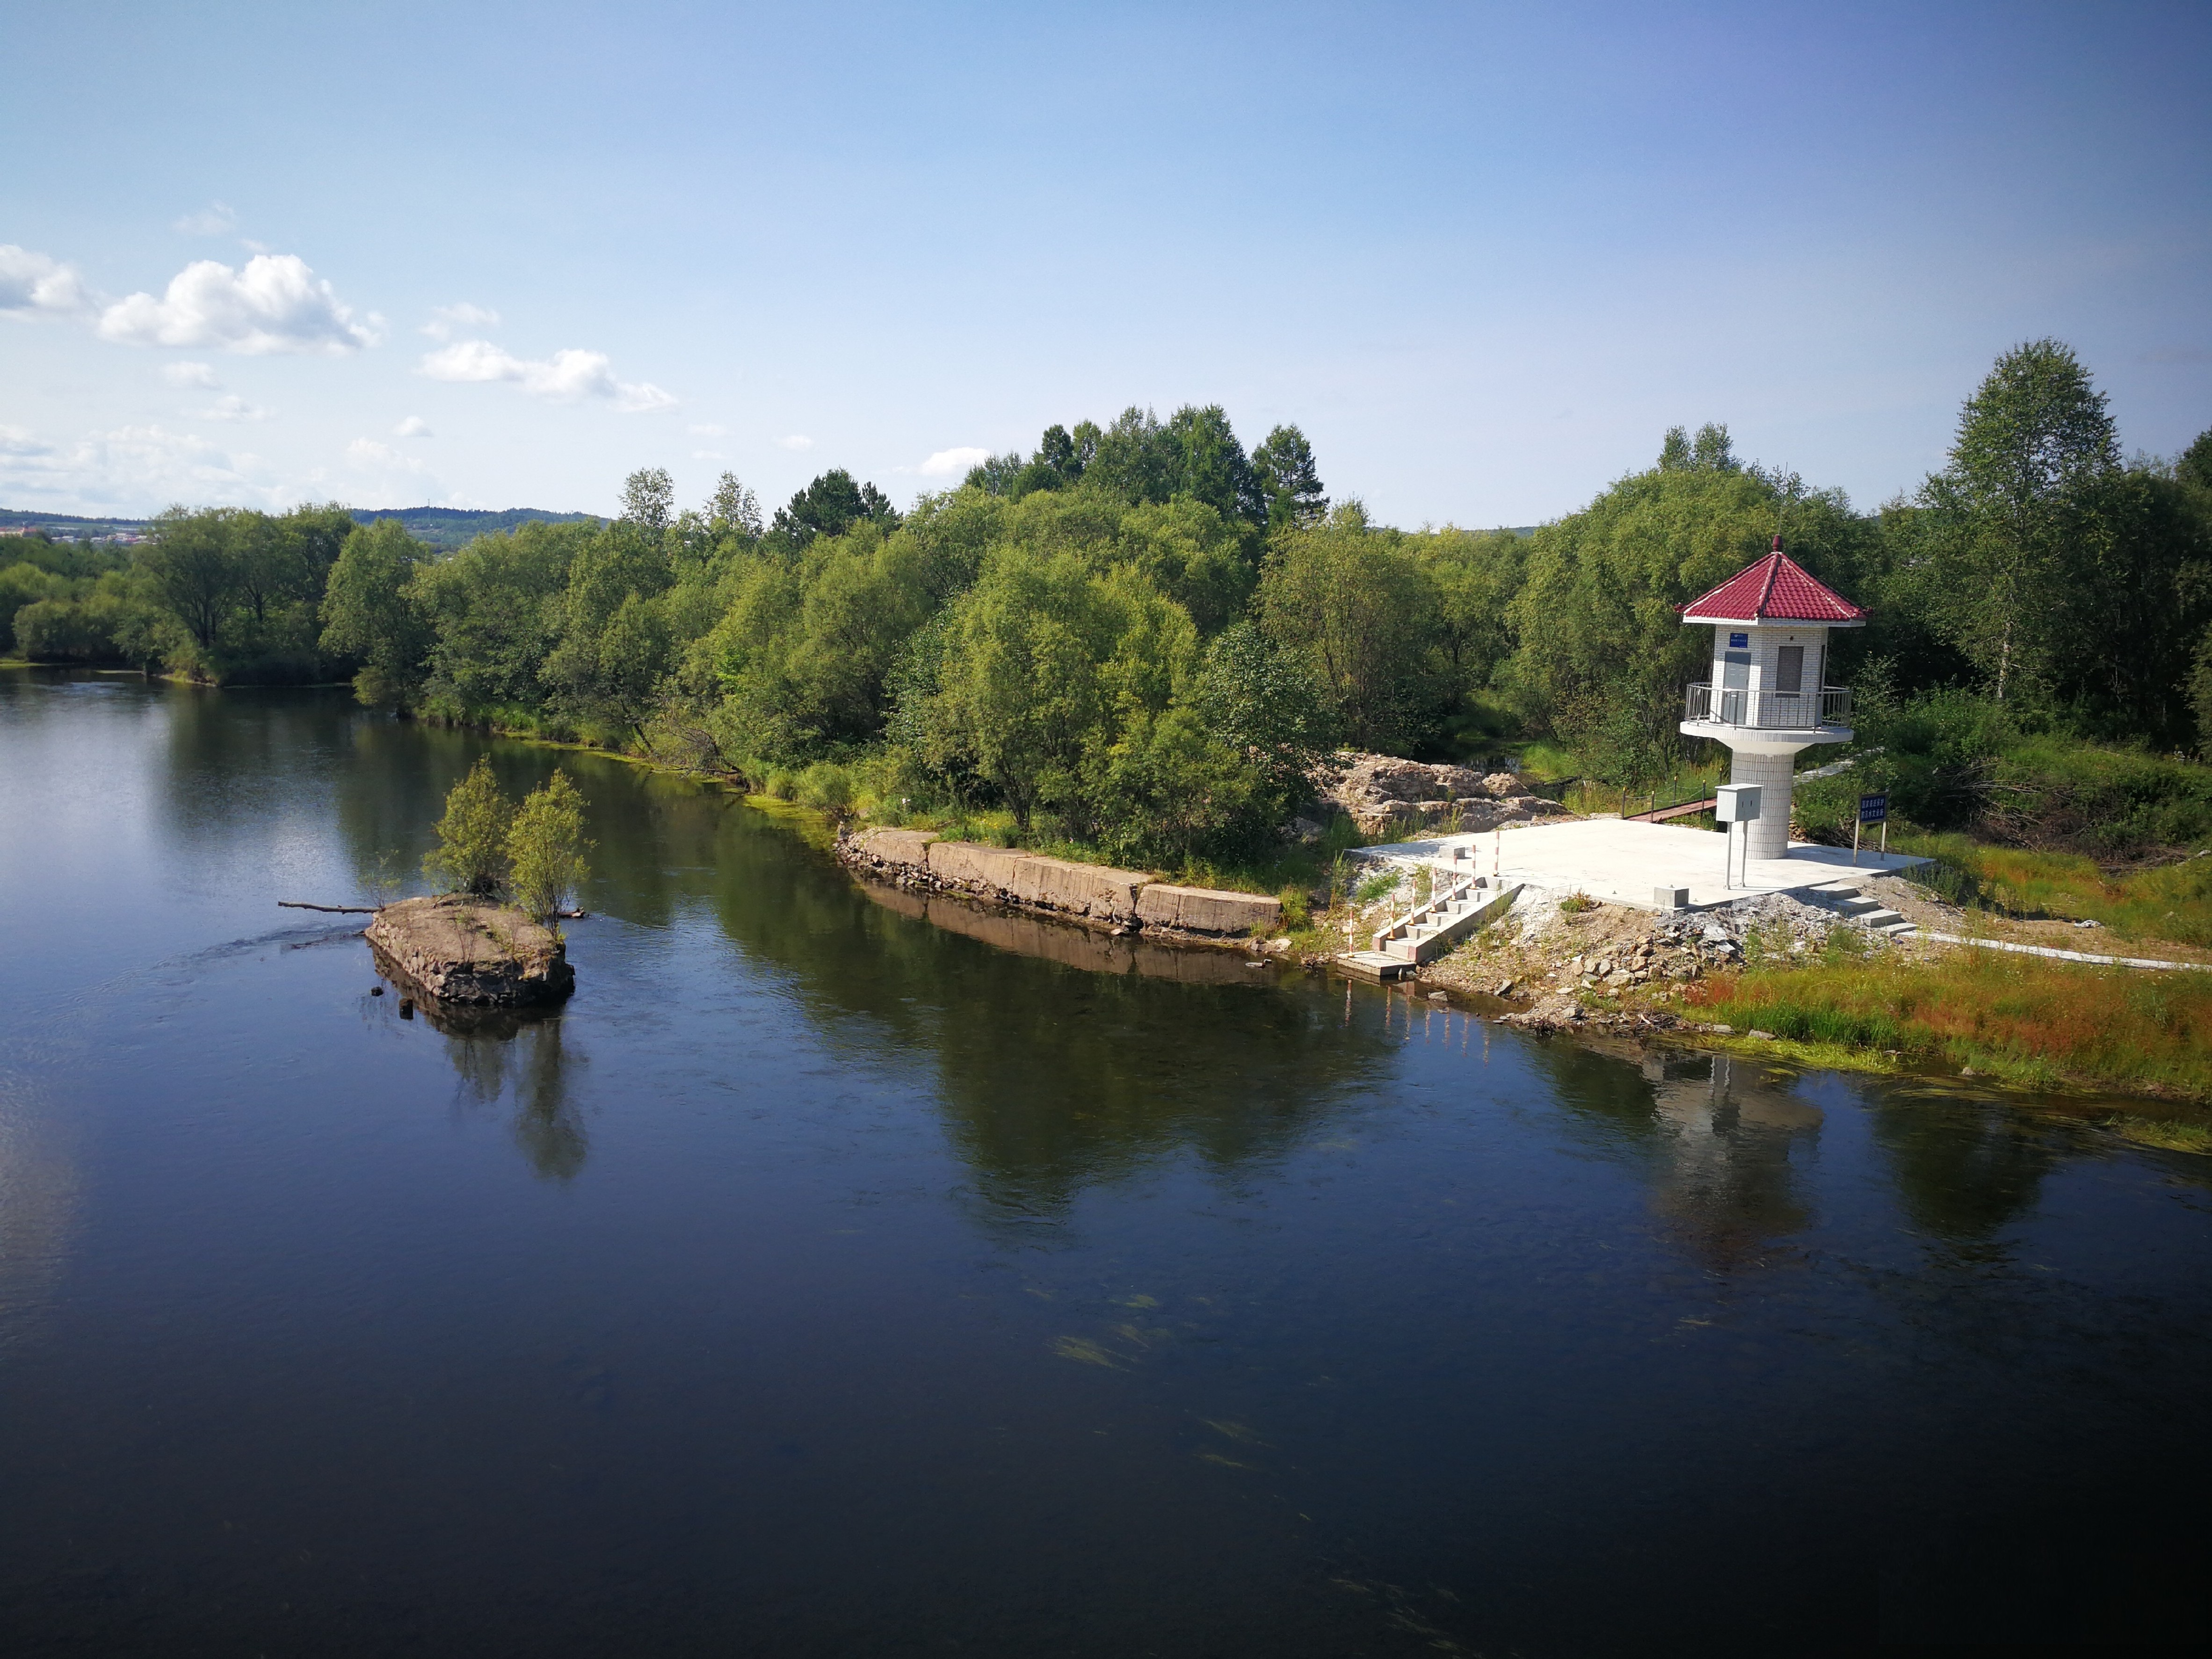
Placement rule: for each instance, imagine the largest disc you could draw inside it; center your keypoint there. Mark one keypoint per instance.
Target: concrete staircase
(1427, 932)
(1844, 898)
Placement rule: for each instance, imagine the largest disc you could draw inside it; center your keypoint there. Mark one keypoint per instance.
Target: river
(824, 1280)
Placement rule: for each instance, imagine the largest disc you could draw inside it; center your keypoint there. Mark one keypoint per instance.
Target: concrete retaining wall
(1204, 910)
(1093, 892)
(907, 847)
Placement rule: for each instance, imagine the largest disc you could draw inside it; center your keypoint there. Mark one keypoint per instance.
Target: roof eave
(1771, 622)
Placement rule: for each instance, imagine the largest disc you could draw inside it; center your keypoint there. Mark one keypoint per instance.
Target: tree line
(1141, 636)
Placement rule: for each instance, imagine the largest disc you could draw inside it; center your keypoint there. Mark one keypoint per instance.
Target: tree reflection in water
(520, 1057)
(1964, 1169)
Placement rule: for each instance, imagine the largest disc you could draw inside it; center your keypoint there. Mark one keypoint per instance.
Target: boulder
(1384, 794)
(1204, 910)
(464, 951)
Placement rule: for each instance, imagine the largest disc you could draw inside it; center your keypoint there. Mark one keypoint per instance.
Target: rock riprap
(469, 952)
(1384, 795)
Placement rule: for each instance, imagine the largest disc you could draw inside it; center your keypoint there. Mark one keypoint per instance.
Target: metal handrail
(1788, 711)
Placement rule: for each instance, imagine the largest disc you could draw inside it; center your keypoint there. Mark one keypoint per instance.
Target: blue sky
(499, 256)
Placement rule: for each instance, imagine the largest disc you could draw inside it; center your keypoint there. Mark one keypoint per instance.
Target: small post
(1855, 843)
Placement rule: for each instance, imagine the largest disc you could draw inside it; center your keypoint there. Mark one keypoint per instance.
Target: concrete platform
(1622, 861)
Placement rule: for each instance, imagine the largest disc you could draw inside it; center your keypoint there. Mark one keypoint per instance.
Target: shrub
(545, 847)
(471, 854)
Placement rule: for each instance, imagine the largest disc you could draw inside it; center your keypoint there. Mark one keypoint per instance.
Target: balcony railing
(1782, 711)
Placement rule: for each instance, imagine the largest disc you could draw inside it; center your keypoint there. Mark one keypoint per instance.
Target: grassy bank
(2171, 902)
(2024, 1020)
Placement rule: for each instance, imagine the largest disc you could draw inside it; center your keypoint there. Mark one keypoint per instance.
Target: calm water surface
(828, 1281)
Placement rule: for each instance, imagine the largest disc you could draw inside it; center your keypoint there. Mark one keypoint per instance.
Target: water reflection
(521, 1056)
(1964, 1169)
(1728, 1148)
(1737, 1178)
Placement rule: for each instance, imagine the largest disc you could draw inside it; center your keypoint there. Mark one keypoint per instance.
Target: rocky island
(462, 951)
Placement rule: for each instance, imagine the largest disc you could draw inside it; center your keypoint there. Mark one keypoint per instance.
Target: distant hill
(448, 527)
(443, 527)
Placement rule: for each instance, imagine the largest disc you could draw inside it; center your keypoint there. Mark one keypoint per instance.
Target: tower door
(1735, 671)
(1789, 668)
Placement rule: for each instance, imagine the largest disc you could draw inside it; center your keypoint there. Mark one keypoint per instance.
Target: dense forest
(1141, 636)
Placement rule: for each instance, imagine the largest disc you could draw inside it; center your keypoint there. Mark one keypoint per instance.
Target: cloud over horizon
(568, 376)
(275, 304)
(950, 463)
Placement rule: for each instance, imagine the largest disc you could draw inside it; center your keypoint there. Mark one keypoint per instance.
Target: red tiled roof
(1775, 589)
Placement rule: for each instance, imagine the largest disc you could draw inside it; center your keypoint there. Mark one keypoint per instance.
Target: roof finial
(1777, 541)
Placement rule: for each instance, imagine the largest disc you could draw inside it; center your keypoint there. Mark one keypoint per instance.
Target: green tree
(649, 501)
(1357, 611)
(369, 615)
(471, 854)
(195, 569)
(2035, 450)
(1288, 480)
(545, 847)
(734, 510)
(830, 506)
(1263, 704)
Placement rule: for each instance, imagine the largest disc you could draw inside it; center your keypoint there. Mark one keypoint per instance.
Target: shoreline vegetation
(1136, 645)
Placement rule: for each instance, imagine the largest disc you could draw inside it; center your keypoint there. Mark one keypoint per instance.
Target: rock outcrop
(1385, 795)
(468, 952)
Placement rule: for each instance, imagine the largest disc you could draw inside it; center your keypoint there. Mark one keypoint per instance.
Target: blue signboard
(1874, 808)
(1739, 641)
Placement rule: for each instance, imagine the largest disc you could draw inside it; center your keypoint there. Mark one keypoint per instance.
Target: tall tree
(649, 500)
(194, 565)
(831, 505)
(2034, 451)
(1356, 612)
(1288, 479)
(734, 509)
(369, 616)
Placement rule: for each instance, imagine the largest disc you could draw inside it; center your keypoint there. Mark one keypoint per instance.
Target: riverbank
(1778, 979)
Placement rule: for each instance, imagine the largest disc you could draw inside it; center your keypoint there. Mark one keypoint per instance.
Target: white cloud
(709, 431)
(232, 407)
(950, 463)
(709, 455)
(566, 377)
(275, 304)
(796, 440)
(34, 284)
(413, 426)
(367, 455)
(443, 319)
(198, 374)
(216, 219)
(135, 468)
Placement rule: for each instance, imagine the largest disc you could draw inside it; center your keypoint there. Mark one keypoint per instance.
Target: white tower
(1768, 695)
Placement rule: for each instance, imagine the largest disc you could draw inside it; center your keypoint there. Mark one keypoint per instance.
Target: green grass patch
(2171, 902)
(2024, 1020)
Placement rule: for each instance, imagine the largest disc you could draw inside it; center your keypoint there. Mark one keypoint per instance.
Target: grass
(2022, 1019)
(2170, 902)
